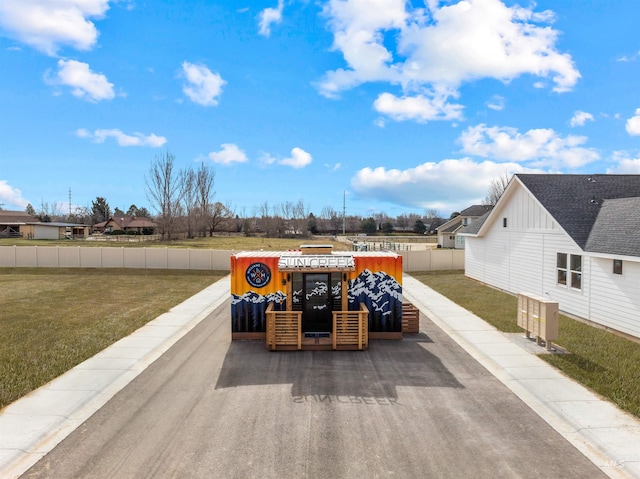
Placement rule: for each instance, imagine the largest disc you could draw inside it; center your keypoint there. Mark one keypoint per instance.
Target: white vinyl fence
(179, 258)
(113, 257)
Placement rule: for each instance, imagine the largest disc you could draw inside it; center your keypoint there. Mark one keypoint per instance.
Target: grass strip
(53, 319)
(607, 364)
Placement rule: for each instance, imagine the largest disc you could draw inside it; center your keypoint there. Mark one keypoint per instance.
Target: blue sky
(401, 106)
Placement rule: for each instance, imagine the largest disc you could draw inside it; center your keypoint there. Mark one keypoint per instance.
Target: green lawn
(53, 319)
(606, 363)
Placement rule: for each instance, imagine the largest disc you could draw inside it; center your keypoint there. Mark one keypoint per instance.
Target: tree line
(183, 200)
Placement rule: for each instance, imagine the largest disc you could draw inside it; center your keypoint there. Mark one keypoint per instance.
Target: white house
(574, 239)
(448, 232)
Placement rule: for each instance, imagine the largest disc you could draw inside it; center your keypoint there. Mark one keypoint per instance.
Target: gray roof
(576, 201)
(475, 225)
(617, 228)
(476, 210)
(451, 225)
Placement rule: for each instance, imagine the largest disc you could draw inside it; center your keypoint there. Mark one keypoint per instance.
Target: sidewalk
(610, 438)
(35, 424)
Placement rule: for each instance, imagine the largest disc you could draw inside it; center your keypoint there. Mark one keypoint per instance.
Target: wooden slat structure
(410, 318)
(351, 329)
(284, 329)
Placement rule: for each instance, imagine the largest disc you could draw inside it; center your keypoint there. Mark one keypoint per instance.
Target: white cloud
(269, 16)
(496, 103)
(419, 108)
(267, 159)
(625, 165)
(540, 147)
(633, 124)
(137, 139)
(84, 83)
(379, 122)
(626, 59)
(203, 87)
(440, 47)
(229, 154)
(299, 159)
(11, 197)
(47, 25)
(358, 28)
(580, 118)
(456, 183)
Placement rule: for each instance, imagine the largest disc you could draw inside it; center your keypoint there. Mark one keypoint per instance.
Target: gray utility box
(538, 317)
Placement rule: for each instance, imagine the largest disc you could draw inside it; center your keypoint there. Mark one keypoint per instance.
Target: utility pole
(69, 202)
(344, 212)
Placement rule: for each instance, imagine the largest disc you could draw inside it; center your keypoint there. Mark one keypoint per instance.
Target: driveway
(421, 407)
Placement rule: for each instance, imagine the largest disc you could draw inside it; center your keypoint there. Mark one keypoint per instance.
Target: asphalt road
(417, 408)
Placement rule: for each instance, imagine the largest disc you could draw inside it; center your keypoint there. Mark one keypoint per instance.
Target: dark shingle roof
(451, 225)
(475, 225)
(617, 228)
(476, 210)
(575, 201)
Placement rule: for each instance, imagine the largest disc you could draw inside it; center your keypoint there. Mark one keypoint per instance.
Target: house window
(576, 271)
(617, 266)
(561, 267)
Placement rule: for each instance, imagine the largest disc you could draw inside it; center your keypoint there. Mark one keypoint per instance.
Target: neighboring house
(448, 232)
(18, 224)
(574, 239)
(12, 223)
(137, 224)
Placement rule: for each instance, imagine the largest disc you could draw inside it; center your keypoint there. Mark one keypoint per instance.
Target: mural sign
(258, 275)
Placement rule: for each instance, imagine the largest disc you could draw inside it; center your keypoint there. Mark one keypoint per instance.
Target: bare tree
(496, 189)
(205, 179)
(189, 200)
(50, 211)
(163, 190)
(432, 219)
(330, 220)
(300, 218)
(219, 216)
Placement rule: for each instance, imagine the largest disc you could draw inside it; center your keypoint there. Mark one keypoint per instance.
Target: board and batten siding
(521, 257)
(511, 257)
(615, 298)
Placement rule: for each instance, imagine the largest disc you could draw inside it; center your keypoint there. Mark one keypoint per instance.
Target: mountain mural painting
(382, 295)
(315, 285)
